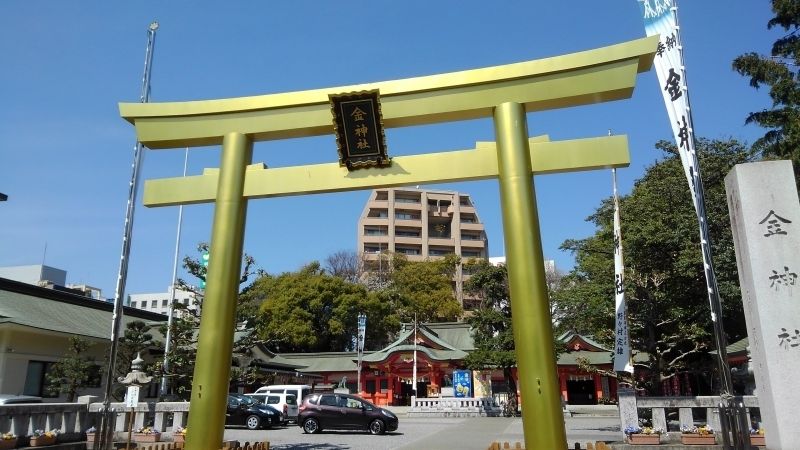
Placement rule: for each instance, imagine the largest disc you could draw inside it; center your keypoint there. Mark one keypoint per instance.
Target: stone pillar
(628, 414)
(765, 218)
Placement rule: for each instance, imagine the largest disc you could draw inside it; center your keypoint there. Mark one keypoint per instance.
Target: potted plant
(180, 434)
(90, 437)
(146, 434)
(9, 440)
(692, 435)
(757, 437)
(643, 436)
(40, 437)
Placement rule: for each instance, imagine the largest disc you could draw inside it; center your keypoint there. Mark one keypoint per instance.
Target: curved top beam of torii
(592, 76)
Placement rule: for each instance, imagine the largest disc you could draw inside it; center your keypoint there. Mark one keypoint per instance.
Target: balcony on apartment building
(407, 218)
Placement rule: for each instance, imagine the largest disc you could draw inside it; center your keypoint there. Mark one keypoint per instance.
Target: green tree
(183, 351)
(75, 372)
(424, 289)
(668, 307)
(491, 322)
(186, 322)
(312, 311)
(778, 71)
(492, 332)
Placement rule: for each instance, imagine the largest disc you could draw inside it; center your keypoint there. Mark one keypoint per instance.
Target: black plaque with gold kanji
(358, 126)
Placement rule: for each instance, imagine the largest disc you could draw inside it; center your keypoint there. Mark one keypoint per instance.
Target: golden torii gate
(504, 92)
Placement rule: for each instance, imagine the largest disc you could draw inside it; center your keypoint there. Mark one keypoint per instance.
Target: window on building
(407, 251)
(470, 254)
(440, 251)
(384, 384)
(375, 231)
(407, 233)
(36, 380)
(403, 216)
(164, 302)
(370, 386)
(133, 304)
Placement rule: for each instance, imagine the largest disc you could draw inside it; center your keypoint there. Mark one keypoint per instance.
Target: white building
(50, 278)
(549, 264)
(34, 274)
(159, 302)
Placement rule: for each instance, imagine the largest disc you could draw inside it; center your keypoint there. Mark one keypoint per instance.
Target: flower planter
(89, 441)
(40, 441)
(8, 443)
(757, 440)
(698, 439)
(146, 437)
(644, 439)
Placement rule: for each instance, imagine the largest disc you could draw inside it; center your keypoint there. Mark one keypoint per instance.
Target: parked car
(344, 412)
(286, 403)
(244, 410)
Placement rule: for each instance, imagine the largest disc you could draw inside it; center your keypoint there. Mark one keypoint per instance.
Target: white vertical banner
(660, 17)
(622, 348)
(362, 331)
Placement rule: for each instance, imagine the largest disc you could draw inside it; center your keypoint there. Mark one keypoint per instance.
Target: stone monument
(765, 218)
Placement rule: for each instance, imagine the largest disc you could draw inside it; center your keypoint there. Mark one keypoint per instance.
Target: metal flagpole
(106, 421)
(168, 344)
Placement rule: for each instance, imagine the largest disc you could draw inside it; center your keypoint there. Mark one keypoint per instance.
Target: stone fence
(690, 410)
(73, 419)
(453, 407)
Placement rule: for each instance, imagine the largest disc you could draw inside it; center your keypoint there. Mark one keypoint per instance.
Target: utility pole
(106, 421)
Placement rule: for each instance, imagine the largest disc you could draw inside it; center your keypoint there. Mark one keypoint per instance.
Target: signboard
(358, 126)
(462, 383)
(132, 396)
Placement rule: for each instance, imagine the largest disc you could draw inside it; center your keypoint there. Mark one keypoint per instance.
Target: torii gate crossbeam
(504, 93)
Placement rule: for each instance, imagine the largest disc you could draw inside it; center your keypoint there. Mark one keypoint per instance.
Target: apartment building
(421, 224)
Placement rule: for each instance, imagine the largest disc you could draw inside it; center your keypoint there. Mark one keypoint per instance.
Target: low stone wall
(453, 407)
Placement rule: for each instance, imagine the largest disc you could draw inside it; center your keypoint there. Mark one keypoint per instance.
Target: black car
(244, 410)
(344, 412)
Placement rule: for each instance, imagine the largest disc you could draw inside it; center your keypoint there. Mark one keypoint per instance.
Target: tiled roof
(31, 306)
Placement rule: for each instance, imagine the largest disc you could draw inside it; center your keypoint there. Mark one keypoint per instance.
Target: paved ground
(429, 434)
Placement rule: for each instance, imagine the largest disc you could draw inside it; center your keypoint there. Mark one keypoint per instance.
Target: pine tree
(778, 71)
(74, 372)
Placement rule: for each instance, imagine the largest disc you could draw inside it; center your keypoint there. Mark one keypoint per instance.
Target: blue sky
(65, 154)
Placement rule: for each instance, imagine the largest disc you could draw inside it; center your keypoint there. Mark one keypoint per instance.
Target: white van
(300, 391)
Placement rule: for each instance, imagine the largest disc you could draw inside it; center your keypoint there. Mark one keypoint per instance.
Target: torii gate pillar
(530, 312)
